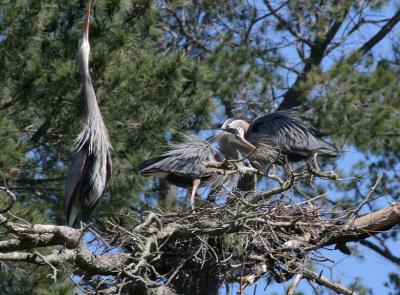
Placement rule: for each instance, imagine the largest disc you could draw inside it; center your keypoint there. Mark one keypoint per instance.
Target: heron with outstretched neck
(90, 169)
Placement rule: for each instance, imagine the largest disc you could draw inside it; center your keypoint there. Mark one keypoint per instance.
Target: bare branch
(383, 251)
(294, 284)
(367, 46)
(369, 195)
(324, 281)
(288, 26)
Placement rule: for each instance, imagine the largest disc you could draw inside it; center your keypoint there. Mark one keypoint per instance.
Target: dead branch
(294, 284)
(276, 235)
(324, 281)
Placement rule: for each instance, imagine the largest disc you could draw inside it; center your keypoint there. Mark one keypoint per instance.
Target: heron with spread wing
(284, 131)
(90, 169)
(185, 165)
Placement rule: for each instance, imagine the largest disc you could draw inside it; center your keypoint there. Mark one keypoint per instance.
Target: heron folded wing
(73, 179)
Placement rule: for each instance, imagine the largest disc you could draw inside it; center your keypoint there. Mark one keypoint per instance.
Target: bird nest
(240, 241)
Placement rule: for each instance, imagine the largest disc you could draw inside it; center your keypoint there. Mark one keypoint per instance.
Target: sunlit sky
(364, 266)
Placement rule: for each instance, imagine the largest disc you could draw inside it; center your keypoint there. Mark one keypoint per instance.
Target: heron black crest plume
(90, 169)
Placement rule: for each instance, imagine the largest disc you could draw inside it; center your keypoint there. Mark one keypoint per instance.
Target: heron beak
(215, 137)
(246, 143)
(85, 28)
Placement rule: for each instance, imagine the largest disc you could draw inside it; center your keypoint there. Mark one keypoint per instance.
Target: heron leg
(196, 183)
(287, 169)
(315, 163)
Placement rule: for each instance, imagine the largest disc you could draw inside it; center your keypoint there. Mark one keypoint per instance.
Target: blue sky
(371, 270)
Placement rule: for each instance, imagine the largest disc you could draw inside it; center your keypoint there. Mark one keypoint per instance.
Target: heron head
(83, 45)
(238, 128)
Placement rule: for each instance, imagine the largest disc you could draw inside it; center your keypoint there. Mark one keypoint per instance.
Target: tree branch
(156, 244)
(323, 281)
(367, 46)
(383, 252)
(292, 97)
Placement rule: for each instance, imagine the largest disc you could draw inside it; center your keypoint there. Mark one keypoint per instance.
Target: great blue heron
(284, 131)
(90, 169)
(184, 165)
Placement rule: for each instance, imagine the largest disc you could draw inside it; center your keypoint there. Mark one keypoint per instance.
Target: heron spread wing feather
(186, 158)
(185, 161)
(290, 134)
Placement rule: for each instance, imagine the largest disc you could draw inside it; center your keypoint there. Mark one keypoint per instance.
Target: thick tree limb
(364, 226)
(148, 248)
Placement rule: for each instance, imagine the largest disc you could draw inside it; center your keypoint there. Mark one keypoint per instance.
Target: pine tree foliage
(144, 93)
(163, 67)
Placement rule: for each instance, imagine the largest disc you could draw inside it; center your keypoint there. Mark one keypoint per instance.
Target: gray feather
(90, 169)
(289, 134)
(186, 159)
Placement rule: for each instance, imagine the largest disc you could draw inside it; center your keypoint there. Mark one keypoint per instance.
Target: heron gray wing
(86, 182)
(72, 183)
(205, 152)
(289, 134)
(186, 159)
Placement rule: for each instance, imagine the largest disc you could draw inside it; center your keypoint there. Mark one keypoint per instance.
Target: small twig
(368, 196)
(9, 193)
(230, 165)
(284, 187)
(54, 275)
(315, 170)
(308, 201)
(294, 284)
(178, 268)
(149, 220)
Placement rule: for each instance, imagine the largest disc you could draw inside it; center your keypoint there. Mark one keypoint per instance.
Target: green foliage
(19, 281)
(362, 105)
(233, 241)
(12, 147)
(152, 81)
(144, 94)
(393, 284)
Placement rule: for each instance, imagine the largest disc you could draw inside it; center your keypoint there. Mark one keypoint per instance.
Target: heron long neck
(95, 132)
(230, 147)
(92, 108)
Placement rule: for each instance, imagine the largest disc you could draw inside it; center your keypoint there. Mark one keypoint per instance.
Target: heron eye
(233, 131)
